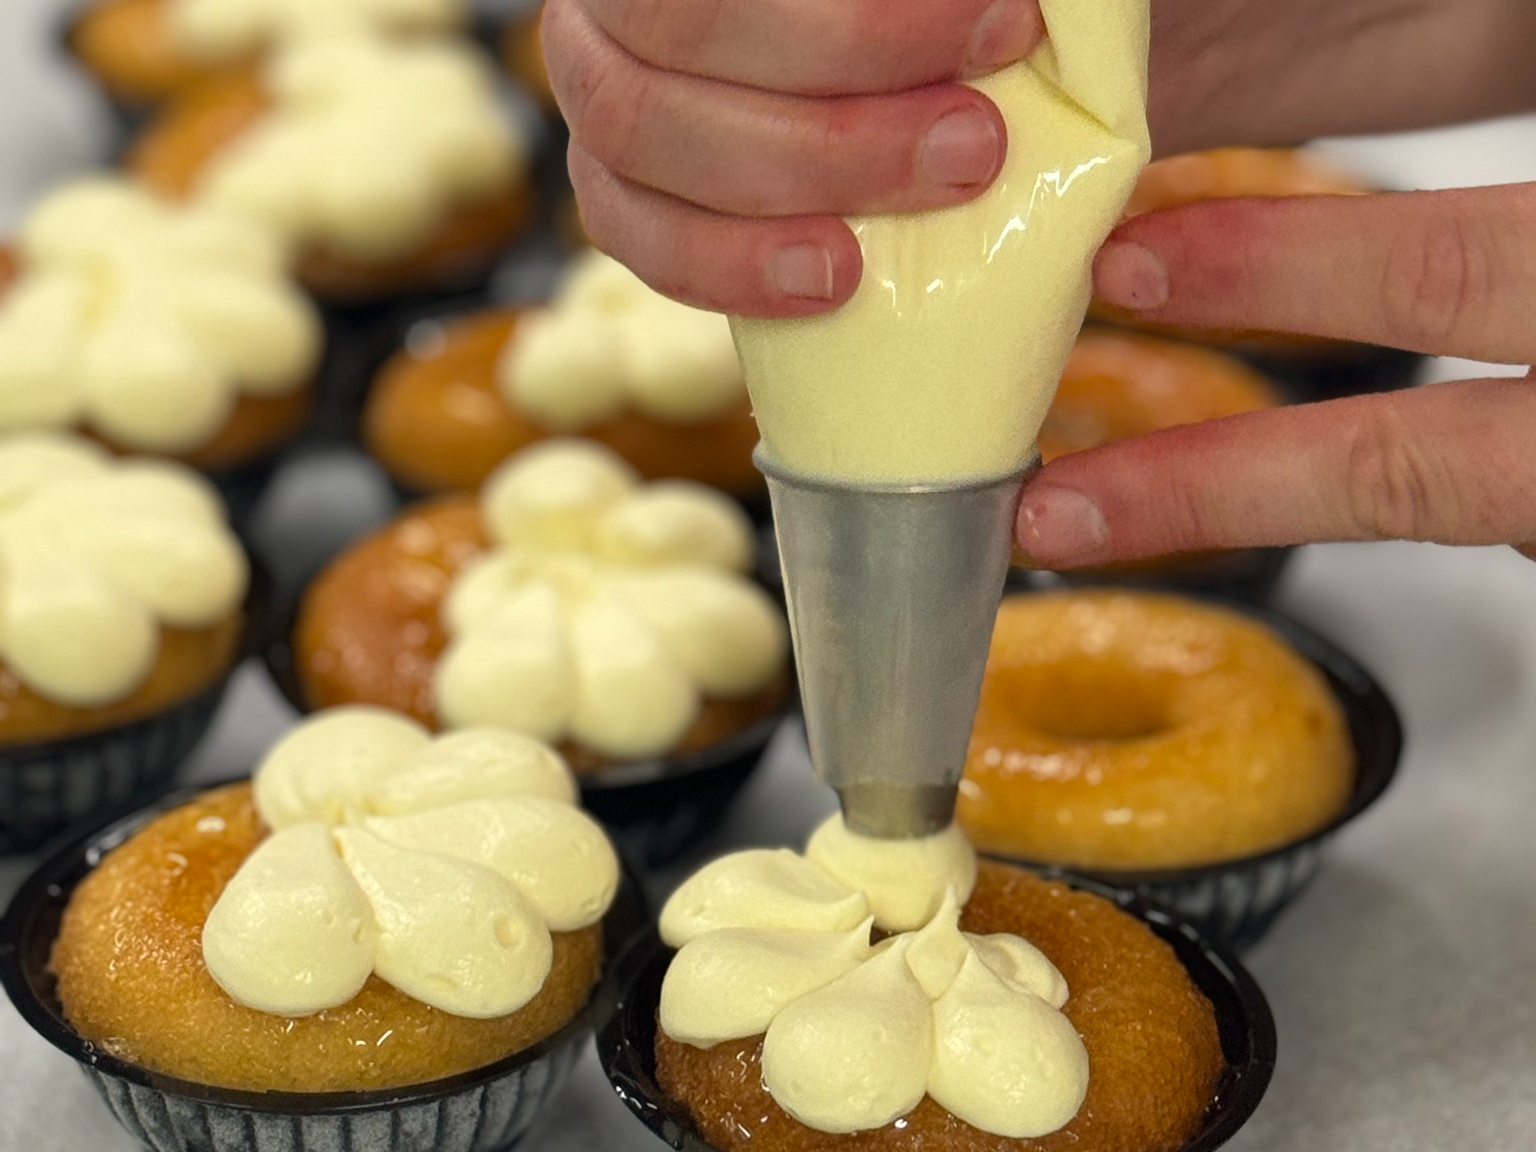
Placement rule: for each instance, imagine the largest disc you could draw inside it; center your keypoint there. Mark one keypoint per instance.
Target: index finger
(816, 48)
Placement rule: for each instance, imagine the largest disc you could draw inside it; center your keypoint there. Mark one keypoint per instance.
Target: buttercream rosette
(856, 1032)
(608, 343)
(440, 864)
(368, 144)
(96, 555)
(146, 321)
(220, 30)
(608, 610)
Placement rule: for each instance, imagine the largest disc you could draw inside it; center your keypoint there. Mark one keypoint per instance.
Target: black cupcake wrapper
(626, 1039)
(1251, 575)
(1336, 370)
(485, 1118)
(49, 786)
(656, 811)
(1237, 902)
(484, 1110)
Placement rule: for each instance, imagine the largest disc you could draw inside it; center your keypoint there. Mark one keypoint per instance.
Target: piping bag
(898, 429)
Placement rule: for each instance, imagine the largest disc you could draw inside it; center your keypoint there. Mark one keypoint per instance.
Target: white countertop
(1403, 982)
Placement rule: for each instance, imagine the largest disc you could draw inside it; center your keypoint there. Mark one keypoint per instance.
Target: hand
(1450, 273)
(715, 143)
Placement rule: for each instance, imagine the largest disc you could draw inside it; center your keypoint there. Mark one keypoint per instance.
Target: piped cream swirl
(221, 30)
(608, 343)
(146, 321)
(441, 865)
(96, 555)
(608, 611)
(368, 145)
(855, 1034)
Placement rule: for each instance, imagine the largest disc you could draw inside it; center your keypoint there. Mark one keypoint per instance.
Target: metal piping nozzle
(892, 593)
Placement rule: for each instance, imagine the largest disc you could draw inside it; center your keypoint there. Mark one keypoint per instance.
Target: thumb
(1450, 463)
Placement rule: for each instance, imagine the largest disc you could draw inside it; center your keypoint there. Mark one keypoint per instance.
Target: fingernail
(1130, 276)
(961, 149)
(1061, 528)
(804, 270)
(1007, 31)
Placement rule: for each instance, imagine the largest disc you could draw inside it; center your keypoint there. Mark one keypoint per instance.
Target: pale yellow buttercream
(96, 554)
(368, 144)
(608, 343)
(441, 865)
(219, 30)
(942, 366)
(608, 610)
(855, 1033)
(146, 321)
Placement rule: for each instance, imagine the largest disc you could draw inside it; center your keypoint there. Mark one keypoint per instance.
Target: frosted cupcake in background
(389, 166)
(155, 327)
(120, 619)
(607, 358)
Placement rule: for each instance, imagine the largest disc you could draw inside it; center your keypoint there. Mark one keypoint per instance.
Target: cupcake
(1178, 746)
(383, 932)
(607, 359)
(1117, 385)
(890, 995)
(522, 53)
(390, 167)
(143, 52)
(577, 605)
(120, 619)
(154, 328)
(1317, 368)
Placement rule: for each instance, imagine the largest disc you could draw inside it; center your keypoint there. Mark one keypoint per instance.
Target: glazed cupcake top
(442, 865)
(608, 609)
(608, 343)
(98, 554)
(856, 1034)
(367, 144)
(146, 321)
(214, 30)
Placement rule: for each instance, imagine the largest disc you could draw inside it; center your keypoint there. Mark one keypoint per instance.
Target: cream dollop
(608, 611)
(904, 880)
(146, 321)
(608, 343)
(441, 865)
(220, 30)
(943, 364)
(96, 555)
(855, 1034)
(368, 144)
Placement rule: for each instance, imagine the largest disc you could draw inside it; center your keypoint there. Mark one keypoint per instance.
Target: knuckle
(1438, 278)
(1396, 489)
(612, 101)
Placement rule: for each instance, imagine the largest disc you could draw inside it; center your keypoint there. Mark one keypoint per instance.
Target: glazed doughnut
(1132, 731)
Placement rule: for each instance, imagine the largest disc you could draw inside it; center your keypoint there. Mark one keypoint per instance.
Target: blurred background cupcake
(1121, 384)
(120, 620)
(143, 52)
(156, 328)
(1315, 368)
(392, 167)
(607, 358)
(571, 602)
